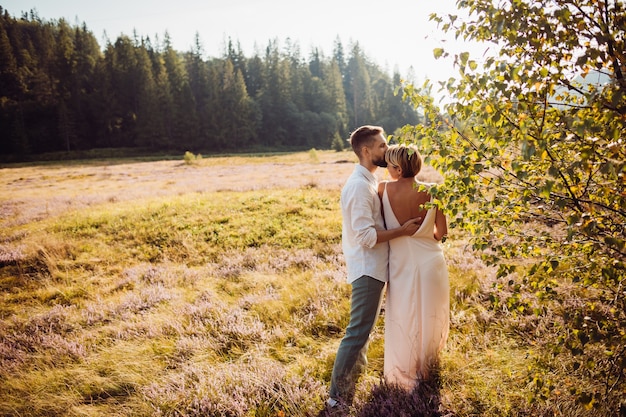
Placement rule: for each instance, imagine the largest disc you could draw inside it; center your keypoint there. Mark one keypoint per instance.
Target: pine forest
(61, 91)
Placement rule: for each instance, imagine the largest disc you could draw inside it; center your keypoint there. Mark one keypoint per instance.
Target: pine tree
(337, 97)
(183, 118)
(149, 128)
(237, 119)
(9, 81)
(201, 88)
(358, 87)
(275, 98)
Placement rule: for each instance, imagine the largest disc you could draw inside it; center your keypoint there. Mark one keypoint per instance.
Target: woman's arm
(381, 189)
(441, 225)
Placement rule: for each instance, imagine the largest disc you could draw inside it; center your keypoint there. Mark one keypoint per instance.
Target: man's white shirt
(361, 217)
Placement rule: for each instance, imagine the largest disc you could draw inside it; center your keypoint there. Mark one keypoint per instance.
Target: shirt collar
(366, 173)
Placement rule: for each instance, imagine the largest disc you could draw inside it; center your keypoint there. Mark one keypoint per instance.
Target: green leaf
(464, 57)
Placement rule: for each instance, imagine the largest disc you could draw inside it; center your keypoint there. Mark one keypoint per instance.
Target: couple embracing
(390, 239)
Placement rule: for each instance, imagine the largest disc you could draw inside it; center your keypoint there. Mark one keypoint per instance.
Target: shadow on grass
(392, 401)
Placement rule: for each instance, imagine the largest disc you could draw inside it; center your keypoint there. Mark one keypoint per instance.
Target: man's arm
(407, 229)
(357, 205)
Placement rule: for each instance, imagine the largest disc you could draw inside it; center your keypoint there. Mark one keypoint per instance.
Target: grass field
(213, 288)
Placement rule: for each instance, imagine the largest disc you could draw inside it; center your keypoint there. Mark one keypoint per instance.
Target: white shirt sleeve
(361, 207)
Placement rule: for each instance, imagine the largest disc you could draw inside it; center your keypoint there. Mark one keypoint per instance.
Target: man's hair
(406, 157)
(364, 136)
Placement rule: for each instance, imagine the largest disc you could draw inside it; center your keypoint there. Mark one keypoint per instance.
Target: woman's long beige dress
(417, 309)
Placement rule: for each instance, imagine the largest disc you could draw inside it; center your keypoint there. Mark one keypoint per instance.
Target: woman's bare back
(406, 200)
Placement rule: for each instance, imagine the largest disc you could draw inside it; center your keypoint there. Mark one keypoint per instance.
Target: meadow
(215, 287)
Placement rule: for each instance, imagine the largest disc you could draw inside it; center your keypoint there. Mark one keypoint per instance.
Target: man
(366, 251)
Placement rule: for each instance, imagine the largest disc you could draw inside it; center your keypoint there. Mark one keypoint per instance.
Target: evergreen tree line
(60, 91)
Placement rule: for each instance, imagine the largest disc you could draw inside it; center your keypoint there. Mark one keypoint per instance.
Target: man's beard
(380, 162)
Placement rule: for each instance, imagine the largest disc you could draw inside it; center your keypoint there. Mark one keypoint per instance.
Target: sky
(395, 34)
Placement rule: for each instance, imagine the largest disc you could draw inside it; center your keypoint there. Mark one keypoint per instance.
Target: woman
(417, 311)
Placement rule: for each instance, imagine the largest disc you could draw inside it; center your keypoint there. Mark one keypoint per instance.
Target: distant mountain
(594, 79)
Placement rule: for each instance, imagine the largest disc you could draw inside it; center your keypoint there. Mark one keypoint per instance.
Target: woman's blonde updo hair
(406, 157)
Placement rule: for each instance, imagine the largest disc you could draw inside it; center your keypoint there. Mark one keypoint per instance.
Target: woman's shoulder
(424, 185)
(381, 187)
(422, 191)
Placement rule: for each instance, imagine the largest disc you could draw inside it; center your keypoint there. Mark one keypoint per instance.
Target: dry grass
(211, 289)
